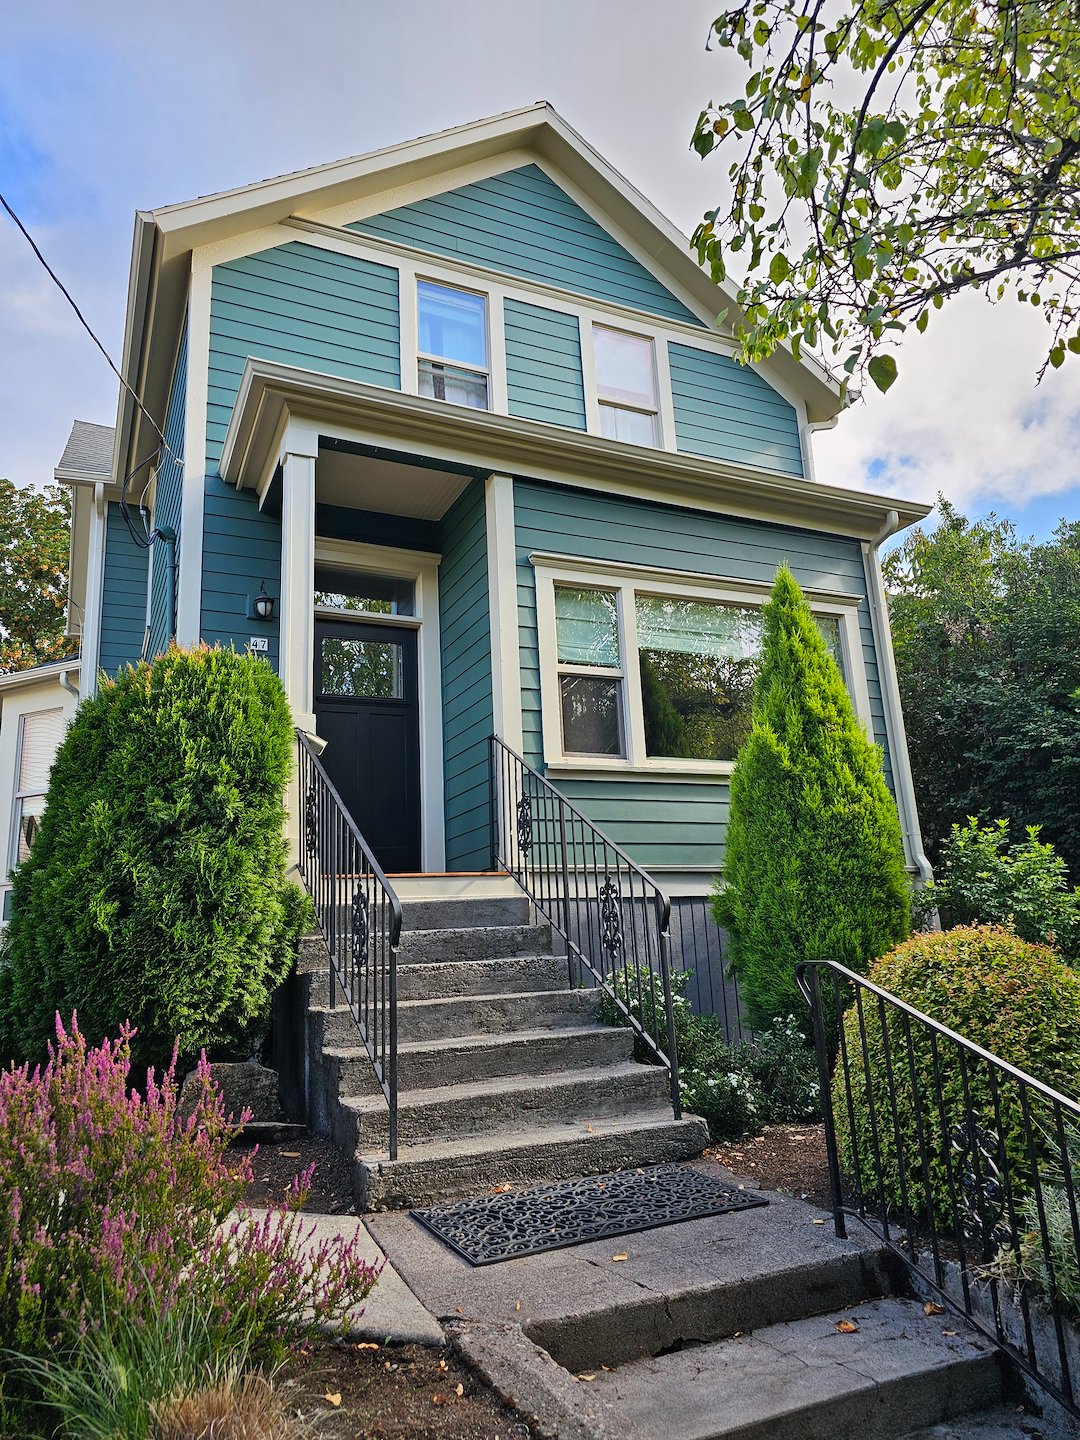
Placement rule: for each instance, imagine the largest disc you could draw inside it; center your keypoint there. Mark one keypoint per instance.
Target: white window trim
(422, 568)
(631, 580)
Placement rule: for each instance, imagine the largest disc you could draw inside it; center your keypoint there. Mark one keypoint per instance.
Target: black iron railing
(359, 916)
(612, 916)
(960, 1163)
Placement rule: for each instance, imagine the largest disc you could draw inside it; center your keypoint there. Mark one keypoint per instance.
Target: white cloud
(965, 417)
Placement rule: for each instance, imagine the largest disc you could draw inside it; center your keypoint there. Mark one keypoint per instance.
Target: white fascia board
(484, 441)
(20, 679)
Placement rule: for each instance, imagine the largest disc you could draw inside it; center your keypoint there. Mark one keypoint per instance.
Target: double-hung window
(626, 386)
(659, 674)
(452, 345)
(590, 671)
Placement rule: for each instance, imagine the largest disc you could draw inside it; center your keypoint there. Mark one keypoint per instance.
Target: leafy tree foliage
(155, 891)
(986, 629)
(814, 865)
(889, 156)
(33, 575)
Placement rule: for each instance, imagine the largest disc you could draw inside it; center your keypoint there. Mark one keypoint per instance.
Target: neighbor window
(452, 345)
(40, 733)
(647, 676)
(626, 386)
(590, 671)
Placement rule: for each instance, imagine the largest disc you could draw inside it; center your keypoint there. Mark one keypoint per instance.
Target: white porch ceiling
(388, 486)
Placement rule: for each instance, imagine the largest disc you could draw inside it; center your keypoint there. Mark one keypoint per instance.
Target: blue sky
(113, 106)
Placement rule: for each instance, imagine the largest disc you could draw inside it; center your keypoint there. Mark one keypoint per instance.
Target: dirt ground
(402, 1392)
(790, 1158)
(275, 1165)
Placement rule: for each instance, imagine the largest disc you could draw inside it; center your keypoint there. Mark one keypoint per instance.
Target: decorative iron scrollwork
(611, 927)
(361, 928)
(311, 819)
(981, 1187)
(524, 823)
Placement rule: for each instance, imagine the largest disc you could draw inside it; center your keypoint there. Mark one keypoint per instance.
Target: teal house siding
(543, 365)
(168, 503)
(666, 821)
(522, 223)
(337, 314)
(123, 605)
(466, 680)
(726, 411)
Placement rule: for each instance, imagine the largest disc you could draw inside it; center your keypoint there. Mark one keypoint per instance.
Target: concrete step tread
(512, 1084)
(807, 1379)
(478, 1148)
(505, 1040)
(450, 1000)
(1003, 1422)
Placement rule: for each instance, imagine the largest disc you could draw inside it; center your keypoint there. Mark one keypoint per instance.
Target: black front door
(368, 712)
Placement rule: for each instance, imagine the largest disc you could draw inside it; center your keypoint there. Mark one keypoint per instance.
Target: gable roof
(88, 453)
(165, 237)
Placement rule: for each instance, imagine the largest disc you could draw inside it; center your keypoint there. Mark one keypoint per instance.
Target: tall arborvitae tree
(814, 866)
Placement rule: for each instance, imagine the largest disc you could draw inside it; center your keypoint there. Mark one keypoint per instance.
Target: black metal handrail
(960, 1163)
(359, 916)
(611, 914)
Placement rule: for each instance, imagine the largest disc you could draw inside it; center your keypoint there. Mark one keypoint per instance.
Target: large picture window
(655, 677)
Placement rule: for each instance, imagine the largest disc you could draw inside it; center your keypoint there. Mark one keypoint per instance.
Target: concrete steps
(760, 1325)
(505, 1075)
(806, 1380)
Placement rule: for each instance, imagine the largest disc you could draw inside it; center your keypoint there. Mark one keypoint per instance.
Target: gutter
(890, 694)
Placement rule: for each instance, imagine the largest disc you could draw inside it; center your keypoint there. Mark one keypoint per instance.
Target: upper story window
(452, 345)
(626, 386)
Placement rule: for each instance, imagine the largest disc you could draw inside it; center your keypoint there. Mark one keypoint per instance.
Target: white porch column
(503, 609)
(297, 620)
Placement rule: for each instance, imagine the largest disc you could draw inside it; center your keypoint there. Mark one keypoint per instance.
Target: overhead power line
(86, 326)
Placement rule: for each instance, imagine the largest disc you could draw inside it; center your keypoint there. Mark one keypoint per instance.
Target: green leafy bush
(983, 879)
(814, 866)
(114, 1204)
(155, 891)
(1013, 998)
(737, 1088)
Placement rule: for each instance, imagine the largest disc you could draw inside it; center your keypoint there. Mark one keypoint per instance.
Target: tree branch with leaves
(888, 156)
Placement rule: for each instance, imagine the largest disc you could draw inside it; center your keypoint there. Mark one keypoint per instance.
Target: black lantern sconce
(262, 607)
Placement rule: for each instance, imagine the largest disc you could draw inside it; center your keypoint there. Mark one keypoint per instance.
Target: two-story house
(453, 437)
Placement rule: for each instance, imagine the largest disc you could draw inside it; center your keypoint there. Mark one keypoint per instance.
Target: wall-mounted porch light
(262, 607)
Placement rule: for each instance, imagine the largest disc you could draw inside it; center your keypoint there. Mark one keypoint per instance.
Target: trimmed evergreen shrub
(814, 865)
(155, 891)
(1015, 999)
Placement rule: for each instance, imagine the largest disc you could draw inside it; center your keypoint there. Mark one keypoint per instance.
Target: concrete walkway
(391, 1311)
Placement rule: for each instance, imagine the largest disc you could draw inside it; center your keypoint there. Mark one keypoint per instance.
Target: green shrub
(983, 879)
(1015, 999)
(155, 891)
(737, 1088)
(814, 866)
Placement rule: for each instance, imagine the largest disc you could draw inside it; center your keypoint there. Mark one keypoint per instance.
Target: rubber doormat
(552, 1217)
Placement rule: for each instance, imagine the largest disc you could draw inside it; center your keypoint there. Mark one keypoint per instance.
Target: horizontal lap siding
(303, 306)
(168, 504)
(466, 678)
(726, 411)
(123, 602)
(522, 223)
(666, 821)
(543, 365)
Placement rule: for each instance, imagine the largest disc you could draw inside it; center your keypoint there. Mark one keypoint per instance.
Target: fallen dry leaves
(847, 1327)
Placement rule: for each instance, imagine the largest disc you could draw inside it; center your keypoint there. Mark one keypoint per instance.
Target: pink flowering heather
(110, 1197)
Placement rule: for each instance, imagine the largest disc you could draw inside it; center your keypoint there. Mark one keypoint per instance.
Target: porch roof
(273, 395)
